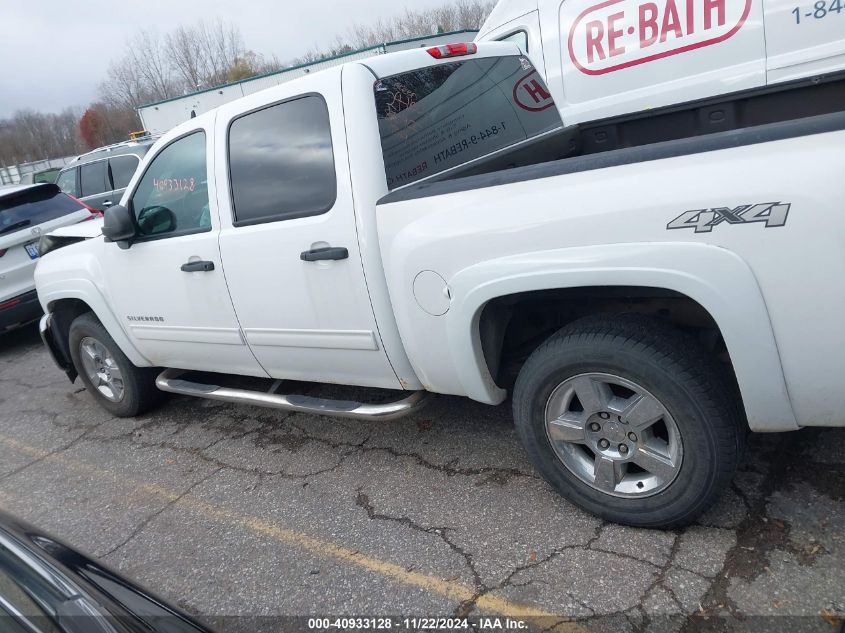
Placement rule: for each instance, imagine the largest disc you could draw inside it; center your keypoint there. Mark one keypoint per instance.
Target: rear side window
(172, 197)
(67, 182)
(122, 169)
(520, 38)
(443, 116)
(34, 207)
(92, 178)
(281, 162)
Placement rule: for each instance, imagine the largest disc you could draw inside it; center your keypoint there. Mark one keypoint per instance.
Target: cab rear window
(437, 118)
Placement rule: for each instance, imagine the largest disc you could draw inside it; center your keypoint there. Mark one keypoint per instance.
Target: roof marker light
(452, 50)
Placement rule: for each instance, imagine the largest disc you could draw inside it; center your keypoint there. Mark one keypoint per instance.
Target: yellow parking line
(318, 546)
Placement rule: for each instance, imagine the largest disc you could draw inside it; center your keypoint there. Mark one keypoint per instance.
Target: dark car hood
(78, 593)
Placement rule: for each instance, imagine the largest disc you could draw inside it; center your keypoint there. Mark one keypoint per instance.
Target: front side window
(92, 178)
(122, 169)
(281, 162)
(437, 118)
(172, 196)
(67, 182)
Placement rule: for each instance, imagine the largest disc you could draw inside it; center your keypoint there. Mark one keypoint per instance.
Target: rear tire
(630, 419)
(109, 376)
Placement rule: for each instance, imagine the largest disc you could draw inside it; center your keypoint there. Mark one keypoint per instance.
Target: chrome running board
(169, 380)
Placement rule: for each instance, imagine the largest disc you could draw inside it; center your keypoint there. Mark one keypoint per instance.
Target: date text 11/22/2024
(416, 624)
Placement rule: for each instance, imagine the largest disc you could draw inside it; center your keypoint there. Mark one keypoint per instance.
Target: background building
(161, 116)
(14, 174)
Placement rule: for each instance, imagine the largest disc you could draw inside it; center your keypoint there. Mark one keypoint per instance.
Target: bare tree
(152, 61)
(185, 58)
(143, 74)
(202, 55)
(28, 136)
(155, 68)
(250, 64)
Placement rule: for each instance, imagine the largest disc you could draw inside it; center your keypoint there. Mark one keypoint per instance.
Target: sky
(54, 53)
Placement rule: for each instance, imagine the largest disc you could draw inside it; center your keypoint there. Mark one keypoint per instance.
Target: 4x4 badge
(703, 220)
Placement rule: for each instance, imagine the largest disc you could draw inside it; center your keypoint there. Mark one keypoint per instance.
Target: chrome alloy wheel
(613, 435)
(101, 369)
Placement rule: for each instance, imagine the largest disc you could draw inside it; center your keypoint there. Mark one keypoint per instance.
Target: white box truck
(610, 58)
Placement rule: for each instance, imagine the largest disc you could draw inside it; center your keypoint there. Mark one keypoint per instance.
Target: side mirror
(156, 220)
(118, 226)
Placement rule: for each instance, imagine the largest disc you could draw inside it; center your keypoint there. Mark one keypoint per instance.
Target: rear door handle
(320, 254)
(198, 267)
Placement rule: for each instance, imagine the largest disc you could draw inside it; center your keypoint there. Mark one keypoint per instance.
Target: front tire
(630, 419)
(109, 376)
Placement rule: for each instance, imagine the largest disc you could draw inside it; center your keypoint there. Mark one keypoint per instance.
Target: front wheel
(116, 384)
(628, 418)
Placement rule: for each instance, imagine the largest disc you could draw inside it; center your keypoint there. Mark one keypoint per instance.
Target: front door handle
(198, 267)
(320, 254)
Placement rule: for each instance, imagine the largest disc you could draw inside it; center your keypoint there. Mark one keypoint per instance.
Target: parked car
(99, 177)
(407, 223)
(27, 212)
(35, 177)
(46, 586)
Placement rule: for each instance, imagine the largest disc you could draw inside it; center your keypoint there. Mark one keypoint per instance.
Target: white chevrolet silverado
(417, 222)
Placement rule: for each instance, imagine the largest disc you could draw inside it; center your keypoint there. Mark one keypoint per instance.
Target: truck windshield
(436, 118)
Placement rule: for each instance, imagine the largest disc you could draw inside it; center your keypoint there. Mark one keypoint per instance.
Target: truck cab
(609, 58)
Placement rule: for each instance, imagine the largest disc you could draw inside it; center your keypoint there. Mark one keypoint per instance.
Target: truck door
(289, 244)
(606, 58)
(168, 289)
(804, 38)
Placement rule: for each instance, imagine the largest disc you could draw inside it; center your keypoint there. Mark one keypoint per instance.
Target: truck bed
(780, 104)
(546, 164)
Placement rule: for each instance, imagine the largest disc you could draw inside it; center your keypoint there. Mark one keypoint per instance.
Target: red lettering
(614, 33)
(536, 90)
(595, 33)
(690, 17)
(648, 24)
(671, 22)
(709, 7)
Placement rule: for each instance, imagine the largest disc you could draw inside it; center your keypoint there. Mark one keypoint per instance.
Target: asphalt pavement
(231, 510)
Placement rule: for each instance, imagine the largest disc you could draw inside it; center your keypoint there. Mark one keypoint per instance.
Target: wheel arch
(67, 303)
(716, 279)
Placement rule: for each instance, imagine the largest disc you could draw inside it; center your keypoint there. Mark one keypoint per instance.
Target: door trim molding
(179, 334)
(320, 339)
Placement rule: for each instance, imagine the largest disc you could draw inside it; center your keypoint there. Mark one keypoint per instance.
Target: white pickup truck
(411, 222)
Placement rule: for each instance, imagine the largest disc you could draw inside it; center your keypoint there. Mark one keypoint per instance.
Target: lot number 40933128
(819, 10)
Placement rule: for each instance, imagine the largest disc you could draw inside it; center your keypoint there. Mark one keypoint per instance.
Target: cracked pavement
(234, 510)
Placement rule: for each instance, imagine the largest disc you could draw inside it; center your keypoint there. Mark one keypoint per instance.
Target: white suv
(27, 212)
